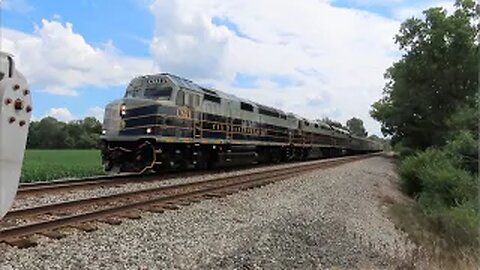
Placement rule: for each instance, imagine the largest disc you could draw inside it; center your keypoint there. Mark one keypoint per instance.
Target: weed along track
(49, 220)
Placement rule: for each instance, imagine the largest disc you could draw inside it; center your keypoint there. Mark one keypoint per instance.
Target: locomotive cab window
(158, 92)
(132, 93)
(246, 107)
(211, 98)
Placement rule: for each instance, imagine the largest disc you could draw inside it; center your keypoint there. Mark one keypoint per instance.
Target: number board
(184, 112)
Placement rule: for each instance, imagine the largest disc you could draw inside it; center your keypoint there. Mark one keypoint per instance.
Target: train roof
(341, 130)
(190, 85)
(185, 83)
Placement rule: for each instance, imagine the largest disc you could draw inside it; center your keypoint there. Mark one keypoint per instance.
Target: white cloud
(57, 60)
(61, 114)
(416, 10)
(96, 112)
(372, 2)
(20, 6)
(64, 114)
(186, 40)
(335, 56)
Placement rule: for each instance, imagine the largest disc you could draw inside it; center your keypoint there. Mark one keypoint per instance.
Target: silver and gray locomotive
(165, 122)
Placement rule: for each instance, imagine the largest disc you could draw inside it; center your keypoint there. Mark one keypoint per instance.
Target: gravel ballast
(328, 218)
(79, 194)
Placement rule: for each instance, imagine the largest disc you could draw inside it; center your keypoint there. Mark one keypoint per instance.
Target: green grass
(45, 165)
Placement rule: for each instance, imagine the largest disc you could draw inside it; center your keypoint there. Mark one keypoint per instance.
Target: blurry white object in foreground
(15, 112)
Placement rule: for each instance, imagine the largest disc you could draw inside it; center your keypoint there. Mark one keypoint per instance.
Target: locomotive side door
(192, 101)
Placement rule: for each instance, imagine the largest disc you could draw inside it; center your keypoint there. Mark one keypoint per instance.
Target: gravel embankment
(325, 219)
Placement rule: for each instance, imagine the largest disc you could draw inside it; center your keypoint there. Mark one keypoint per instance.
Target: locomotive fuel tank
(15, 112)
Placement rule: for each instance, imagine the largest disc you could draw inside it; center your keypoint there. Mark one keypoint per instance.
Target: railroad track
(48, 220)
(29, 189)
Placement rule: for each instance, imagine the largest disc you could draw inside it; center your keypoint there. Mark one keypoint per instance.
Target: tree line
(430, 108)
(49, 133)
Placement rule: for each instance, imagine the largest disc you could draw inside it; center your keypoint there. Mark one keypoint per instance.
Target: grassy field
(44, 165)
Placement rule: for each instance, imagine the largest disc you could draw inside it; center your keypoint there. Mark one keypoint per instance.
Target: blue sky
(99, 22)
(129, 25)
(316, 58)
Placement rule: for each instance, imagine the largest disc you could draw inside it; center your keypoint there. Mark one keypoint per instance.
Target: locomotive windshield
(158, 92)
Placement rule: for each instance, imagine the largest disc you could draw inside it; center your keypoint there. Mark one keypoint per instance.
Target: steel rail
(204, 187)
(27, 189)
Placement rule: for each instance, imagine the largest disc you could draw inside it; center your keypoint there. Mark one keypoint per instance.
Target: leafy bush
(465, 147)
(446, 192)
(412, 167)
(403, 151)
(459, 225)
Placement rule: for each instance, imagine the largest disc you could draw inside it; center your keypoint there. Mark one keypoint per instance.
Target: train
(15, 114)
(166, 122)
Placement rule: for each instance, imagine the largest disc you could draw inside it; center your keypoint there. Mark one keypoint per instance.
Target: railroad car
(15, 112)
(165, 121)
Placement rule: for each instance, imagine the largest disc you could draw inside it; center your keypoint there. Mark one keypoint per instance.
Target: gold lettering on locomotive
(184, 113)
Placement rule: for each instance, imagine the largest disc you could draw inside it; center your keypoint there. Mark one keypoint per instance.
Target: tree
(49, 133)
(436, 76)
(332, 122)
(356, 127)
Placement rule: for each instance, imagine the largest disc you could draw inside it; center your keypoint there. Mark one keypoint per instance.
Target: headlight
(123, 110)
(104, 132)
(149, 130)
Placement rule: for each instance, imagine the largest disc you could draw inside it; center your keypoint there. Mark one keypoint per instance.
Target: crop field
(45, 165)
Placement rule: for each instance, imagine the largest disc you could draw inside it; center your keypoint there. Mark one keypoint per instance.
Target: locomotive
(15, 113)
(168, 122)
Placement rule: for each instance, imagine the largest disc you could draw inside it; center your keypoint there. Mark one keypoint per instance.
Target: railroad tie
(111, 220)
(155, 209)
(86, 227)
(195, 199)
(170, 206)
(131, 215)
(54, 234)
(212, 195)
(184, 203)
(21, 242)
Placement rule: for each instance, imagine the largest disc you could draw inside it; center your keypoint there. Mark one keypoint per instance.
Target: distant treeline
(49, 133)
